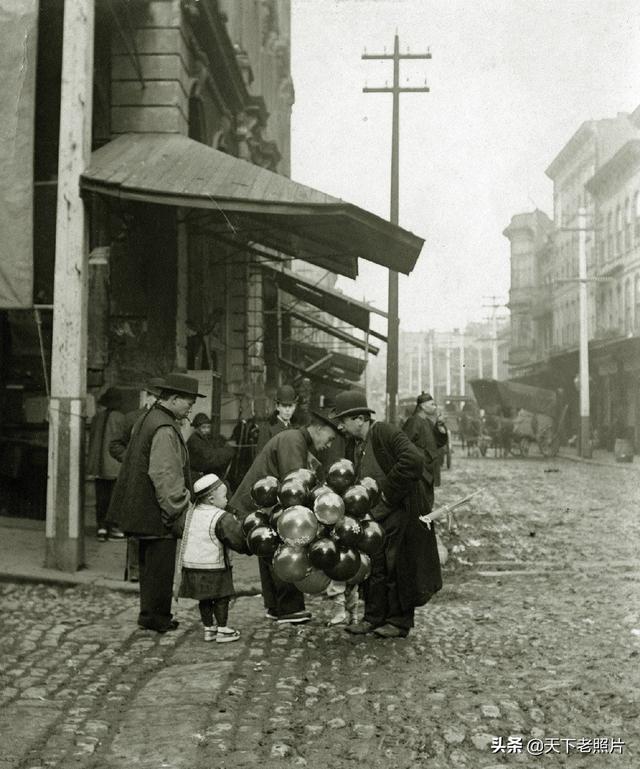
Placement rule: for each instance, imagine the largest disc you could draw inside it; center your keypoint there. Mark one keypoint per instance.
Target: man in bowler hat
(429, 433)
(407, 572)
(282, 416)
(153, 494)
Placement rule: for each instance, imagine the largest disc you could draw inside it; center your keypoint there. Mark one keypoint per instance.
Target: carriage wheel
(524, 447)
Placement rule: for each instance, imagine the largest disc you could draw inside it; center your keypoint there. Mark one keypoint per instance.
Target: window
(618, 230)
(609, 231)
(627, 225)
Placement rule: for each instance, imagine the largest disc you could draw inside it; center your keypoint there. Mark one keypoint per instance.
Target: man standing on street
(287, 451)
(406, 573)
(206, 453)
(280, 419)
(425, 429)
(153, 494)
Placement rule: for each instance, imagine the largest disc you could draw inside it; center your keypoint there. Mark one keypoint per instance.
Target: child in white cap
(209, 533)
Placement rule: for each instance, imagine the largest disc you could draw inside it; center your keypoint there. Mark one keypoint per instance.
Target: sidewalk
(599, 457)
(22, 554)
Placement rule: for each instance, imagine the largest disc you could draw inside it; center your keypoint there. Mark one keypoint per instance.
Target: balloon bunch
(316, 532)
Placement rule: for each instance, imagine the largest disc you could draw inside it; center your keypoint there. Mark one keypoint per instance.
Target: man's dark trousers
(278, 596)
(157, 567)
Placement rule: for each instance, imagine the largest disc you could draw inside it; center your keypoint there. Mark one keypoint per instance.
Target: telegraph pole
(585, 417)
(494, 335)
(462, 371)
(393, 320)
(65, 482)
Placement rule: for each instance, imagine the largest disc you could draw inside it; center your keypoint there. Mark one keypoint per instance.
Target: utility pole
(432, 380)
(420, 341)
(65, 484)
(480, 362)
(448, 359)
(585, 418)
(393, 330)
(494, 334)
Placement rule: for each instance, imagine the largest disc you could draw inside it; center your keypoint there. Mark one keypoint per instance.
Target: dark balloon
(291, 564)
(347, 566)
(263, 541)
(371, 537)
(363, 572)
(275, 516)
(315, 582)
(329, 508)
(347, 532)
(264, 492)
(356, 501)
(304, 475)
(256, 518)
(323, 553)
(292, 493)
(341, 475)
(373, 490)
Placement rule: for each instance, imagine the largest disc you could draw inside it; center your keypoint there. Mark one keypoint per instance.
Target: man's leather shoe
(391, 631)
(361, 628)
(172, 625)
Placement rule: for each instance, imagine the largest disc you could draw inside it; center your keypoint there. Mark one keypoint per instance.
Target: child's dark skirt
(206, 583)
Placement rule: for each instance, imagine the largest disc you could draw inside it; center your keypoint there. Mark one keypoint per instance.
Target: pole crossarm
(424, 89)
(394, 56)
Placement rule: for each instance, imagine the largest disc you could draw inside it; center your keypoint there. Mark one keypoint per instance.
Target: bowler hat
(424, 397)
(323, 416)
(349, 403)
(200, 419)
(286, 395)
(206, 483)
(181, 384)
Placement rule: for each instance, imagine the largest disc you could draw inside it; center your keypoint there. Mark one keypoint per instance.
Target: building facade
(595, 171)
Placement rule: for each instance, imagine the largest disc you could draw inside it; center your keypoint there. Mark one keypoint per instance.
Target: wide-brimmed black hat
(323, 415)
(181, 384)
(350, 403)
(153, 385)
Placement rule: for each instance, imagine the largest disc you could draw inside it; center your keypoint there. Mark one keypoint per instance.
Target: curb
(103, 583)
(582, 460)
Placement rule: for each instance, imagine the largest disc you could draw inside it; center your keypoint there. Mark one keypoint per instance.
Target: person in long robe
(406, 573)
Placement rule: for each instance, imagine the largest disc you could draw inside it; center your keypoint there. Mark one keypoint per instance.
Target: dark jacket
(285, 452)
(411, 549)
(206, 457)
(134, 504)
(120, 441)
(105, 425)
(427, 436)
(271, 427)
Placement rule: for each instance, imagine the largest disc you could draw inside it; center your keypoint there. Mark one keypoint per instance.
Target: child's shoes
(210, 633)
(227, 634)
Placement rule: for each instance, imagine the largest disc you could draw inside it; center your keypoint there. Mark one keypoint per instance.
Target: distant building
(598, 169)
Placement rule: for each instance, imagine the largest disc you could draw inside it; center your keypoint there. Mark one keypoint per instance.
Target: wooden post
(65, 503)
(182, 291)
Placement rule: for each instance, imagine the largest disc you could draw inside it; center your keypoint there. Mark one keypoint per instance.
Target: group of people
(156, 504)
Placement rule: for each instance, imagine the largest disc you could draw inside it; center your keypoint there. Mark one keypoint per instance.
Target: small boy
(209, 533)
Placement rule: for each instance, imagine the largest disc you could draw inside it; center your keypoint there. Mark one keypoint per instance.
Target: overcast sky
(510, 80)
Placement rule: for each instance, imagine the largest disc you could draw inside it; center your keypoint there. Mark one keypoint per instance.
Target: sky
(510, 83)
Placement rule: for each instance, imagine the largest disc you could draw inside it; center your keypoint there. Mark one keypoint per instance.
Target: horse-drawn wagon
(517, 415)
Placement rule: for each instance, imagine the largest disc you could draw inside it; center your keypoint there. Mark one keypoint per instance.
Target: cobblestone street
(535, 637)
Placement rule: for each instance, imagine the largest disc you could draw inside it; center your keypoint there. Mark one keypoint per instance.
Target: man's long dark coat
(415, 554)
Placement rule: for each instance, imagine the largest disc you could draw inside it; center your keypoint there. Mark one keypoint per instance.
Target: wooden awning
(351, 311)
(242, 198)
